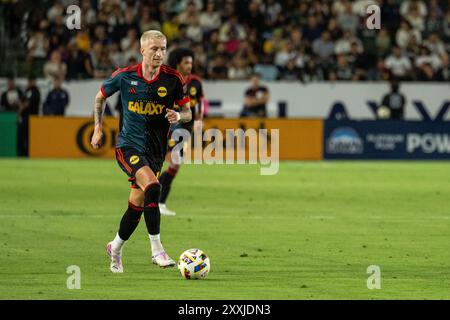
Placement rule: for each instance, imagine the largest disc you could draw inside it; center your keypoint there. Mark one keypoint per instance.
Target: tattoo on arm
(98, 110)
(185, 113)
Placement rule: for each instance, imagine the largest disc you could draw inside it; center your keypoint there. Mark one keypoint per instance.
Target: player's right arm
(108, 88)
(99, 108)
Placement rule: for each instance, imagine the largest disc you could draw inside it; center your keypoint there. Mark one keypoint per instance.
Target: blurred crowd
(292, 40)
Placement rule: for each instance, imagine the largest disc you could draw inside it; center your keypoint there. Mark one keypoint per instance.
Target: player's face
(185, 66)
(154, 51)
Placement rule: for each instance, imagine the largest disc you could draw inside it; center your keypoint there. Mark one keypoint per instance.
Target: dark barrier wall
(8, 134)
(386, 140)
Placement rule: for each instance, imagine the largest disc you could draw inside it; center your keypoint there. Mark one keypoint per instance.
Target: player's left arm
(182, 100)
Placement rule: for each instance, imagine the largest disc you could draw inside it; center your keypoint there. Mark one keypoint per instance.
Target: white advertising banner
(314, 100)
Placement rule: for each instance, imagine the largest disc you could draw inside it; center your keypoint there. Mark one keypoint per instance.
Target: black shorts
(130, 161)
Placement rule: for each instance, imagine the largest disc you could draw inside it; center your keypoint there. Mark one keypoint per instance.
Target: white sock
(117, 245)
(155, 242)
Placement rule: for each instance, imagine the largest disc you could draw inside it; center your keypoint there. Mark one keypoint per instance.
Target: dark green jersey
(144, 103)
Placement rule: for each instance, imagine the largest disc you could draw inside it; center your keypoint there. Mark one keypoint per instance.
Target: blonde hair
(151, 34)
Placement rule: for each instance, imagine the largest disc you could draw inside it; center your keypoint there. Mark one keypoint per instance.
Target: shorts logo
(171, 143)
(134, 159)
(193, 91)
(162, 91)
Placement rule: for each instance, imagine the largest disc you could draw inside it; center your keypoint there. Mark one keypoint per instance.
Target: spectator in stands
(434, 44)
(323, 47)
(427, 73)
(232, 24)
(343, 70)
(147, 21)
(444, 71)
(394, 102)
(291, 72)
(312, 72)
(11, 99)
(427, 57)
(256, 98)
(405, 33)
(347, 20)
(344, 44)
(414, 17)
(239, 69)
(31, 102)
(55, 67)
(57, 99)
(253, 30)
(383, 43)
(283, 56)
(209, 19)
(312, 30)
(399, 65)
(37, 46)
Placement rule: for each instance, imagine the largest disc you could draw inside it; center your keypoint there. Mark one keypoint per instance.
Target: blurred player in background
(182, 60)
(148, 91)
(256, 98)
(393, 104)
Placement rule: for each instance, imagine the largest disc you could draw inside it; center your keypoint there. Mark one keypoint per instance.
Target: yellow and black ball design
(162, 92)
(134, 159)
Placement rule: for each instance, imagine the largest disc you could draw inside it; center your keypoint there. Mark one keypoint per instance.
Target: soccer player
(182, 60)
(148, 92)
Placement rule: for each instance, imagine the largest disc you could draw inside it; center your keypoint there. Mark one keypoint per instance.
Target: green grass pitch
(309, 232)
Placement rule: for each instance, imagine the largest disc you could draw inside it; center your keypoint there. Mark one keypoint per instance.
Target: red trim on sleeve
(183, 101)
(103, 92)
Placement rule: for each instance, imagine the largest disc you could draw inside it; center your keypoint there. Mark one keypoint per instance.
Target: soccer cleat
(165, 211)
(116, 260)
(163, 260)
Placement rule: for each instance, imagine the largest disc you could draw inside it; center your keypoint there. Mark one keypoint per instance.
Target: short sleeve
(181, 97)
(110, 85)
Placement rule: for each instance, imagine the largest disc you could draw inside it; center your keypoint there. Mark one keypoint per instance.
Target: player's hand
(97, 138)
(172, 116)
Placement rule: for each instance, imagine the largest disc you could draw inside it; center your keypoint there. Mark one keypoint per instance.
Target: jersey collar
(139, 73)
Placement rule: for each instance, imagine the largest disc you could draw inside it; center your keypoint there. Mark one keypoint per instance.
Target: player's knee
(152, 193)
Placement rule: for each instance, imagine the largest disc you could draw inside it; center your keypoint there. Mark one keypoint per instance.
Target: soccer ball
(194, 264)
(383, 112)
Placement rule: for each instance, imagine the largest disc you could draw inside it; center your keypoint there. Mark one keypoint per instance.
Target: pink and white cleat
(163, 260)
(116, 260)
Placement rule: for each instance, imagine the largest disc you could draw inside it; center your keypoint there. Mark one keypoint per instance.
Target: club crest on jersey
(134, 159)
(162, 91)
(193, 91)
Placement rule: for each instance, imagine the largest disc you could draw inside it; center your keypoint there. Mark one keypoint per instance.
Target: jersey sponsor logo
(134, 159)
(132, 90)
(145, 108)
(162, 92)
(193, 91)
